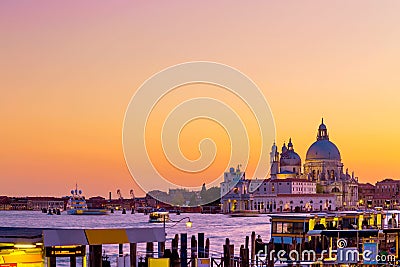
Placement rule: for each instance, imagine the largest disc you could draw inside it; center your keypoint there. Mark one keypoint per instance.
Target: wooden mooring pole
(193, 250)
(161, 249)
(72, 261)
(149, 251)
(175, 255)
(120, 250)
(232, 254)
(95, 256)
(207, 249)
(253, 247)
(132, 254)
(200, 237)
(184, 250)
(227, 255)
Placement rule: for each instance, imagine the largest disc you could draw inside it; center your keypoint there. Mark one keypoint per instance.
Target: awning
(20, 235)
(76, 237)
(140, 235)
(64, 237)
(106, 236)
(69, 237)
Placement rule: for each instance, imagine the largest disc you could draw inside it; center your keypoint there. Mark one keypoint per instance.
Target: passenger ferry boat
(332, 233)
(77, 205)
(158, 216)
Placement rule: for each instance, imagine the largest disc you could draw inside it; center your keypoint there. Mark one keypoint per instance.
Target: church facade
(319, 184)
(323, 165)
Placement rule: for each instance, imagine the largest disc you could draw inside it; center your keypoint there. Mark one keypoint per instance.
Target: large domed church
(323, 165)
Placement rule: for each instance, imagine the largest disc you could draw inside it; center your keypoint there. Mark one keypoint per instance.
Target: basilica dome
(323, 149)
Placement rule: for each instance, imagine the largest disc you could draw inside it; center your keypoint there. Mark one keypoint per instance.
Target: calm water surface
(216, 227)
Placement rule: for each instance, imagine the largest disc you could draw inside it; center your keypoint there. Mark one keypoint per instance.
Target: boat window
(298, 228)
(346, 223)
(274, 227)
(287, 228)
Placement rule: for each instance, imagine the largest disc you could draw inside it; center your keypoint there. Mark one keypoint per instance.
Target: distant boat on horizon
(77, 205)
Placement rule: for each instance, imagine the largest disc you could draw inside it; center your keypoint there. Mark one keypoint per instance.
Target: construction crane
(133, 199)
(119, 194)
(121, 200)
(132, 194)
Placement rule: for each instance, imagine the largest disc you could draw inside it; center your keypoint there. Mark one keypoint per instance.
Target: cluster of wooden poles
(183, 255)
(248, 254)
(200, 248)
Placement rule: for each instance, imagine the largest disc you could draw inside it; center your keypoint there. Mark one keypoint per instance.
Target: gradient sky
(69, 69)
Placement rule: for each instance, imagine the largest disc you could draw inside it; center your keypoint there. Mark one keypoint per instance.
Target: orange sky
(68, 71)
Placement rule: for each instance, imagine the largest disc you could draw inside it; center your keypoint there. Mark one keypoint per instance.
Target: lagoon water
(216, 227)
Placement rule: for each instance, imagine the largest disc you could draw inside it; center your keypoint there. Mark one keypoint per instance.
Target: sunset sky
(69, 69)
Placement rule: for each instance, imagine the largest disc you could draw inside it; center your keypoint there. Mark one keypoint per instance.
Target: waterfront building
(19, 203)
(97, 202)
(276, 195)
(5, 203)
(39, 203)
(387, 194)
(366, 193)
(321, 186)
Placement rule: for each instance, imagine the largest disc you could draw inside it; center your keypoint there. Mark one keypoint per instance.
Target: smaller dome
(290, 158)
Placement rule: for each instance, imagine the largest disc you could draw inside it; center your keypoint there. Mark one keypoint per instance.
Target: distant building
(39, 203)
(231, 178)
(366, 193)
(276, 195)
(5, 203)
(387, 193)
(96, 202)
(19, 203)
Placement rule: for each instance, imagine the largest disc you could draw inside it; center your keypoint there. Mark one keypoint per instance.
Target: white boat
(158, 216)
(77, 205)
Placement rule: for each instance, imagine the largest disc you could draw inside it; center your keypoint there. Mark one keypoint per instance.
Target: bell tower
(274, 160)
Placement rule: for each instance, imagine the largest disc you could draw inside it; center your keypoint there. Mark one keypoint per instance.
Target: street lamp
(189, 223)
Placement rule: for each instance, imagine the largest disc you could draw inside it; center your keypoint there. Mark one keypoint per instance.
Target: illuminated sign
(159, 262)
(206, 262)
(65, 251)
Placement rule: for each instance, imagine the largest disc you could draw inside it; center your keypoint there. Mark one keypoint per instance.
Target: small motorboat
(158, 216)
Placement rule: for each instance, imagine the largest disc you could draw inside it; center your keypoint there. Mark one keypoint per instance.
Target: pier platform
(37, 247)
